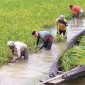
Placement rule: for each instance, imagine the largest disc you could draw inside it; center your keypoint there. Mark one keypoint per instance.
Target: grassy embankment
(18, 18)
(75, 56)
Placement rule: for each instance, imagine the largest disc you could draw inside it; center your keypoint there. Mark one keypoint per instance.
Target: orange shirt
(76, 9)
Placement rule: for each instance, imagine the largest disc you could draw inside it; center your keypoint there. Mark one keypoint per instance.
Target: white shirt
(19, 47)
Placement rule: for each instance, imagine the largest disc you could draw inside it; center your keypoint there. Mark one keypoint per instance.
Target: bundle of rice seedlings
(59, 38)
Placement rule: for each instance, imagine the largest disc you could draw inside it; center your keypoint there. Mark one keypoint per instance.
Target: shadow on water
(31, 71)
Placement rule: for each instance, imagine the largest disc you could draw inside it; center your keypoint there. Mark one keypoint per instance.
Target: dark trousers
(47, 44)
(62, 31)
(25, 53)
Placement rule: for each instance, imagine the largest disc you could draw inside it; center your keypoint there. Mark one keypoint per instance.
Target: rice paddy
(18, 18)
(75, 56)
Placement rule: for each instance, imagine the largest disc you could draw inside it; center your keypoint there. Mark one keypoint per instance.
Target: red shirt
(76, 9)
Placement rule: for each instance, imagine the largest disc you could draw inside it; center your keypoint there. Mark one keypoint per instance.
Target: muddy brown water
(31, 71)
(38, 66)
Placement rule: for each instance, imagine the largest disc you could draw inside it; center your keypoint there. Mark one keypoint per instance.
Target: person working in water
(76, 11)
(47, 38)
(18, 48)
(61, 25)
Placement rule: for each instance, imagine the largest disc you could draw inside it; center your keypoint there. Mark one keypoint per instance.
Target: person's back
(76, 8)
(43, 34)
(19, 49)
(20, 46)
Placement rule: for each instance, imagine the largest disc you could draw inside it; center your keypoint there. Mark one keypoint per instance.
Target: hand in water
(12, 61)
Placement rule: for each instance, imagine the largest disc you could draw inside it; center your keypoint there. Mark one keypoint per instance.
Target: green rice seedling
(35, 49)
(73, 57)
(82, 41)
(58, 38)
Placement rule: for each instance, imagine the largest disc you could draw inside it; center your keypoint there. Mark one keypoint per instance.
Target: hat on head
(61, 17)
(10, 43)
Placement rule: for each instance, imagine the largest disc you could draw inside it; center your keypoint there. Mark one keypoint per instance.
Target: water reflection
(73, 29)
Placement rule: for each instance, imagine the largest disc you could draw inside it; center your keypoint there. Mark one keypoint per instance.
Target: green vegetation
(74, 56)
(18, 18)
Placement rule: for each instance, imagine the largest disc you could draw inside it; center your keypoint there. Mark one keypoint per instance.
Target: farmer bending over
(18, 48)
(46, 37)
(76, 11)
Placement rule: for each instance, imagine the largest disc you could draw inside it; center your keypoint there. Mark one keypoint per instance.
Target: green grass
(75, 56)
(18, 18)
